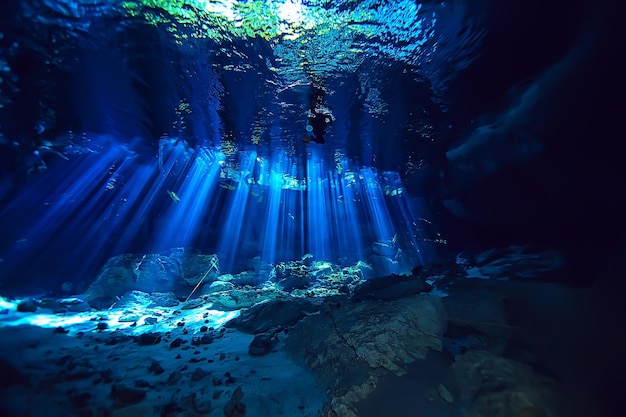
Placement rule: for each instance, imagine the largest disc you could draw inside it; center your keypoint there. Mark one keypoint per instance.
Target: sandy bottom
(74, 373)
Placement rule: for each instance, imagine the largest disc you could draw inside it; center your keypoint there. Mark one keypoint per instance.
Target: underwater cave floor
(64, 365)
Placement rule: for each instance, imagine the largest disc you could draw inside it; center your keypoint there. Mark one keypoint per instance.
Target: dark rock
(102, 326)
(150, 320)
(4, 311)
(61, 330)
(176, 343)
(518, 263)
(262, 344)
(262, 317)
(199, 374)
(78, 374)
(81, 399)
(200, 404)
(156, 368)
(147, 339)
(234, 407)
(203, 329)
(171, 409)
(115, 339)
(502, 387)
(126, 395)
(174, 377)
(27, 306)
(392, 287)
(142, 383)
(206, 339)
(11, 375)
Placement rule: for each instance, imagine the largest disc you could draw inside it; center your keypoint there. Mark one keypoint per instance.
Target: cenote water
(350, 208)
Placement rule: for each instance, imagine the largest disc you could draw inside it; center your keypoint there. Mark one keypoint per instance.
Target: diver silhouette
(319, 119)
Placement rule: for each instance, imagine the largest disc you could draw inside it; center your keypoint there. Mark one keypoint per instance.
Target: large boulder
(350, 345)
(268, 315)
(169, 272)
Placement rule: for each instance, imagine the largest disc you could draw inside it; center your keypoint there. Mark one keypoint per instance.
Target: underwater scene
(311, 208)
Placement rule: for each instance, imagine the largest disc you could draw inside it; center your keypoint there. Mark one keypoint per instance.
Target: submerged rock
(262, 344)
(500, 387)
(162, 273)
(350, 345)
(392, 287)
(517, 263)
(265, 316)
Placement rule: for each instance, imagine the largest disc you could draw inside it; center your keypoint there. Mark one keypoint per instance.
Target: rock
(218, 286)
(126, 395)
(128, 272)
(245, 278)
(27, 306)
(174, 377)
(500, 387)
(392, 287)
(156, 368)
(138, 410)
(350, 345)
(267, 315)
(445, 394)
(234, 407)
(307, 259)
(262, 344)
(366, 271)
(11, 374)
(196, 267)
(201, 404)
(191, 304)
(199, 374)
(147, 339)
(481, 311)
(163, 299)
(518, 263)
(241, 298)
(150, 320)
(128, 318)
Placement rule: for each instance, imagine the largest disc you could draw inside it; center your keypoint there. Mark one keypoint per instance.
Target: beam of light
(317, 201)
(348, 234)
(231, 233)
(415, 235)
(105, 203)
(145, 187)
(379, 221)
(69, 200)
(189, 201)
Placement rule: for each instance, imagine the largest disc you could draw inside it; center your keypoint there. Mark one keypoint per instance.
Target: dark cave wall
(539, 160)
